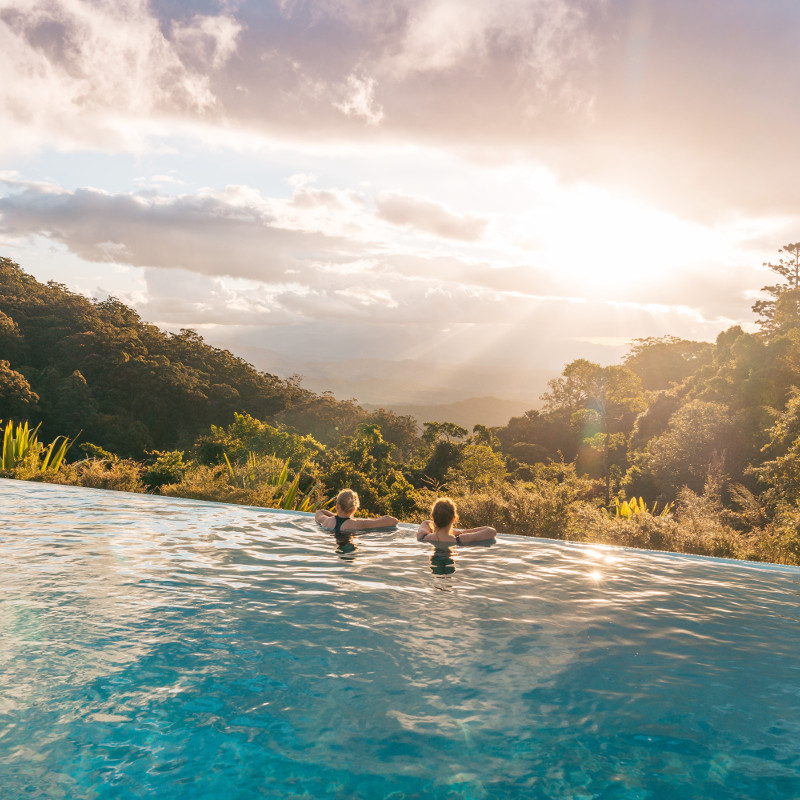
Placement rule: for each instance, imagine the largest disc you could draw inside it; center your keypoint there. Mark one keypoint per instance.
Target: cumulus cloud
(82, 67)
(654, 96)
(593, 89)
(234, 232)
(359, 100)
(322, 245)
(546, 35)
(430, 217)
(206, 40)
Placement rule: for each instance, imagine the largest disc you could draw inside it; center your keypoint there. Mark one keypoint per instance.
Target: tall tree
(782, 311)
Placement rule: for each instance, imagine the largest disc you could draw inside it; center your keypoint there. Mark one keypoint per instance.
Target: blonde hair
(347, 500)
(444, 513)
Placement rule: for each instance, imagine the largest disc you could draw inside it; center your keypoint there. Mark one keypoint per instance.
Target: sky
(405, 200)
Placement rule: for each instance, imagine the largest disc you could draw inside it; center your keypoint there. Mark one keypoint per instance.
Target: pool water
(164, 648)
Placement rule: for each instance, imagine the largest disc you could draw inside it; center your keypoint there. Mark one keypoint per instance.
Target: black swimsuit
(344, 539)
(337, 531)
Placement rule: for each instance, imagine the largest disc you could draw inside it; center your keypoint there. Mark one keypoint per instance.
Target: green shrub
(121, 474)
(168, 467)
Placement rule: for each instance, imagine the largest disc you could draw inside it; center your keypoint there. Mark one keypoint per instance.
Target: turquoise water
(158, 648)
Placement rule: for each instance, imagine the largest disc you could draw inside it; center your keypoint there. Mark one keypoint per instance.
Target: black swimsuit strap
(339, 522)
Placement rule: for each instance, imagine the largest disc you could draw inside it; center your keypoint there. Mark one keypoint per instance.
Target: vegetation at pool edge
(708, 432)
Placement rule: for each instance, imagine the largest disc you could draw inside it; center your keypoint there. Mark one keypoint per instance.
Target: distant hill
(489, 411)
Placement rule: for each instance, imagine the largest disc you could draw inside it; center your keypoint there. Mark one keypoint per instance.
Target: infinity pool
(160, 648)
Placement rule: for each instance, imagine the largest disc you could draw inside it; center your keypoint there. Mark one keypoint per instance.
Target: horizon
(423, 203)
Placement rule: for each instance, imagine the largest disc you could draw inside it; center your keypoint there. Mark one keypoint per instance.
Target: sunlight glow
(609, 241)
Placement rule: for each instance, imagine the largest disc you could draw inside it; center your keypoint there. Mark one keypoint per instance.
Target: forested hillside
(77, 364)
(705, 437)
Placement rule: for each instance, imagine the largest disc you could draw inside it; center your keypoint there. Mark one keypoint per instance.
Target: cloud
(360, 100)
(430, 217)
(324, 253)
(81, 68)
(657, 97)
(545, 35)
(206, 40)
(654, 96)
(234, 232)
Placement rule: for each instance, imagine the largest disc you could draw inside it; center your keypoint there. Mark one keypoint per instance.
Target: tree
(662, 361)
(697, 437)
(10, 338)
(782, 473)
(537, 437)
(600, 402)
(247, 435)
(481, 467)
(363, 464)
(367, 450)
(96, 364)
(401, 431)
(782, 311)
(436, 431)
(483, 435)
(16, 398)
(324, 417)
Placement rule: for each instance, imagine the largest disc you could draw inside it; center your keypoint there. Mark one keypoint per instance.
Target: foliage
(95, 451)
(22, 448)
(16, 397)
(120, 474)
(697, 435)
(168, 467)
(77, 360)
(662, 361)
(434, 432)
(703, 438)
(634, 507)
(538, 507)
(480, 467)
(782, 310)
(322, 417)
(246, 435)
(781, 474)
(403, 500)
(600, 403)
(400, 431)
(259, 481)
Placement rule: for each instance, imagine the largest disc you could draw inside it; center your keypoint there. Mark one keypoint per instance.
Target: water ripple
(155, 647)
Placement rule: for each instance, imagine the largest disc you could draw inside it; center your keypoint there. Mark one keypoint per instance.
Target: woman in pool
(439, 530)
(342, 523)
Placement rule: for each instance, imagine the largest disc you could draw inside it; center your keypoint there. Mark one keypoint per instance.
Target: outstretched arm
(363, 523)
(482, 534)
(423, 530)
(322, 514)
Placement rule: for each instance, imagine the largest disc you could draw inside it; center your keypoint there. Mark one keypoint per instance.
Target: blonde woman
(439, 530)
(342, 521)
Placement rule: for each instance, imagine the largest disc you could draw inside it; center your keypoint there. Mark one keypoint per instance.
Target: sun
(617, 244)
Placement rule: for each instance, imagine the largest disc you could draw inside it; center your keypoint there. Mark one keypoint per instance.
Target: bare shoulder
(327, 522)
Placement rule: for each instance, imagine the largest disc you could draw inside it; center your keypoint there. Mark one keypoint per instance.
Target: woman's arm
(482, 534)
(363, 523)
(423, 530)
(322, 514)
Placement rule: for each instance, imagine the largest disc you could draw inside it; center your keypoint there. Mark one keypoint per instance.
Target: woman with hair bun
(439, 530)
(342, 522)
